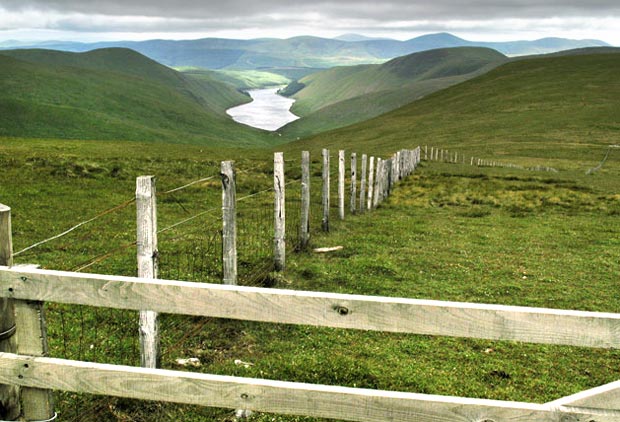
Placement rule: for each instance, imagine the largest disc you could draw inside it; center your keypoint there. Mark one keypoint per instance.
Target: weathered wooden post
(9, 394)
(229, 223)
(432, 152)
(396, 167)
(341, 172)
(371, 183)
(425, 152)
(147, 265)
(26, 323)
(305, 199)
(378, 183)
(363, 182)
(325, 192)
(37, 404)
(353, 181)
(279, 244)
(390, 176)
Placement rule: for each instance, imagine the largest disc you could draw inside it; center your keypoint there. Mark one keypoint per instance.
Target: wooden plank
(146, 211)
(10, 407)
(371, 182)
(495, 322)
(604, 397)
(279, 244)
(229, 222)
(325, 191)
(363, 179)
(305, 199)
(341, 173)
(290, 398)
(37, 403)
(353, 201)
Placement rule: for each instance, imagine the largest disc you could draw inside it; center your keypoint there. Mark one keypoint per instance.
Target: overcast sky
(483, 20)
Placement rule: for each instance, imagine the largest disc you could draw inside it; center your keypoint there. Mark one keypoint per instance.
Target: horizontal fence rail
(354, 404)
(495, 322)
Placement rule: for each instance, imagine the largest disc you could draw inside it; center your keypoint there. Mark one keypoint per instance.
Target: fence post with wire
(229, 223)
(279, 212)
(26, 322)
(305, 200)
(147, 256)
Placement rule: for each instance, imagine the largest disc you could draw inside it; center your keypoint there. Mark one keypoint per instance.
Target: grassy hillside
(345, 95)
(552, 108)
(114, 94)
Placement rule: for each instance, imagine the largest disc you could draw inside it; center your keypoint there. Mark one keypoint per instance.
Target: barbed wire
(104, 213)
(90, 220)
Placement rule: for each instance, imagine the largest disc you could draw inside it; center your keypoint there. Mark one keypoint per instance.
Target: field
(450, 232)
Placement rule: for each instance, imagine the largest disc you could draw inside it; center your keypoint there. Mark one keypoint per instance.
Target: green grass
(86, 98)
(450, 232)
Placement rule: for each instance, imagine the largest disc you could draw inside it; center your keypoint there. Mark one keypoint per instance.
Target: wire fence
(189, 248)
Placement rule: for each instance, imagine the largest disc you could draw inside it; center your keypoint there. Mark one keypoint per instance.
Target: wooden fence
(23, 364)
(497, 322)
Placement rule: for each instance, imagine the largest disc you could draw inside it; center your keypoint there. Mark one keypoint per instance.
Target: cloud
(245, 18)
(355, 9)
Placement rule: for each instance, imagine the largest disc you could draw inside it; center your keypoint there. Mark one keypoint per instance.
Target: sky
(478, 20)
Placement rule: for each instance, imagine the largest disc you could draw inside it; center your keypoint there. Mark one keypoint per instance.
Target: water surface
(268, 110)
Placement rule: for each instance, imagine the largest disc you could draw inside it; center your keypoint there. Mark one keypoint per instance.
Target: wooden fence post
(37, 404)
(341, 171)
(390, 177)
(363, 182)
(229, 223)
(10, 408)
(305, 199)
(325, 192)
(378, 183)
(353, 181)
(147, 265)
(396, 167)
(279, 244)
(371, 182)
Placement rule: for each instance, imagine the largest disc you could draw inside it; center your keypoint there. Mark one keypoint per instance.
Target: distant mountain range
(304, 51)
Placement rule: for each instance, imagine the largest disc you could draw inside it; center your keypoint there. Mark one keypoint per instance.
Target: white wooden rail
(538, 325)
(594, 329)
(352, 404)
(496, 322)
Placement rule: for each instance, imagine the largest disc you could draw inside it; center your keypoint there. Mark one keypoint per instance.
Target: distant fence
(446, 156)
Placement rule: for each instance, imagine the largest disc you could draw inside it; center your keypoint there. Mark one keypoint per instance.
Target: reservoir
(268, 110)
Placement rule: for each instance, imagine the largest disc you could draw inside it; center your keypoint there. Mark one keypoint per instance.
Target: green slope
(345, 95)
(114, 94)
(544, 108)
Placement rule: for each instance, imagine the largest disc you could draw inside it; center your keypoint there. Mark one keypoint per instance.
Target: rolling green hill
(114, 94)
(542, 108)
(344, 95)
